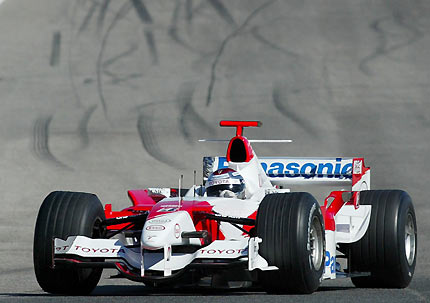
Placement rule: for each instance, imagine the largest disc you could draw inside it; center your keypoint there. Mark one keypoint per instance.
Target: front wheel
(64, 214)
(292, 229)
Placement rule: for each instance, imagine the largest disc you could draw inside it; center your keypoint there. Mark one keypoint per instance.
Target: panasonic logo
(308, 170)
(336, 168)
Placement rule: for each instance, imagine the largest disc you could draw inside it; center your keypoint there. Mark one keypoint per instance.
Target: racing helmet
(227, 183)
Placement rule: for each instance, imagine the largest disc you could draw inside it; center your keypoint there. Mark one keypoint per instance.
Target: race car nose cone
(166, 229)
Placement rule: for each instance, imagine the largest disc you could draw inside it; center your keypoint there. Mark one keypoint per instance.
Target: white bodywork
(351, 223)
(162, 232)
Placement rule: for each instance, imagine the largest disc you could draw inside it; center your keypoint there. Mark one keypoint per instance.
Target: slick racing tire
(293, 239)
(388, 250)
(64, 214)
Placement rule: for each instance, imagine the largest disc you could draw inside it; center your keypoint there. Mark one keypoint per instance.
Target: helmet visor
(215, 191)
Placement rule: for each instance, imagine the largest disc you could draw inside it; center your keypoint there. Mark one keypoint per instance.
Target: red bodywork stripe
(247, 145)
(240, 125)
(357, 177)
(142, 197)
(196, 210)
(144, 202)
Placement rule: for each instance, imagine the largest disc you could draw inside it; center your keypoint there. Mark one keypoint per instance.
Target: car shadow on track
(132, 290)
(142, 290)
(138, 290)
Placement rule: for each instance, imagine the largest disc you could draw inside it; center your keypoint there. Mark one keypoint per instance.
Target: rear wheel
(64, 214)
(388, 250)
(292, 230)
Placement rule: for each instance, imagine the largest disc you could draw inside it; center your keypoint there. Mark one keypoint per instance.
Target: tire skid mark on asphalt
(281, 104)
(255, 31)
(188, 11)
(188, 114)
(146, 19)
(83, 126)
(224, 43)
(115, 78)
(142, 11)
(223, 12)
(173, 28)
(70, 73)
(104, 10)
(152, 46)
(382, 48)
(88, 17)
(55, 49)
(149, 139)
(369, 120)
(41, 142)
(121, 13)
(102, 14)
(202, 5)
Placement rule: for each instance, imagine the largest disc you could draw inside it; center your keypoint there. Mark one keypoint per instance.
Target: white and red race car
(267, 235)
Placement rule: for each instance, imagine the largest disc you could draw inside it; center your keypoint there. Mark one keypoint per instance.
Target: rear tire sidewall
(382, 250)
(406, 271)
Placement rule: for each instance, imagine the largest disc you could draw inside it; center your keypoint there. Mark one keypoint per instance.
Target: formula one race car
(242, 228)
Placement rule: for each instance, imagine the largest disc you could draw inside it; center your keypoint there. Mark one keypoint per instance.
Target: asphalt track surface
(103, 96)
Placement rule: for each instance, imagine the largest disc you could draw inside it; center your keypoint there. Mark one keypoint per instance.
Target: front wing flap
(113, 250)
(84, 247)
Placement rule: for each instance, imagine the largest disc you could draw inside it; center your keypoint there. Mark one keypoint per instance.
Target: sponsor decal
(336, 168)
(357, 167)
(155, 227)
(159, 221)
(308, 170)
(123, 217)
(61, 248)
(165, 191)
(177, 231)
(78, 248)
(330, 261)
(230, 251)
(166, 210)
(169, 205)
(222, 181)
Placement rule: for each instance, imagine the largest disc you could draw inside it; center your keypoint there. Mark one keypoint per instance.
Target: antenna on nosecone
(180, 190)
(194, 183)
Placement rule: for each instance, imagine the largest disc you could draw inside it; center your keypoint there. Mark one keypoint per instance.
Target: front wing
(84, 250)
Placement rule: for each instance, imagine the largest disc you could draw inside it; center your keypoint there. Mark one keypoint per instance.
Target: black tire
(287, 223)
(388, 250)
(64, 214)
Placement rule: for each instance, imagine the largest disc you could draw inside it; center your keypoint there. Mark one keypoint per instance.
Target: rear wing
(290, 171)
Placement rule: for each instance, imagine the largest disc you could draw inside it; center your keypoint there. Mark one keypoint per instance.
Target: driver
(226, 183)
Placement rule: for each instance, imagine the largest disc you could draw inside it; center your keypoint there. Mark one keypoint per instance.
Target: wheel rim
(410, 239)
(316, 243)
